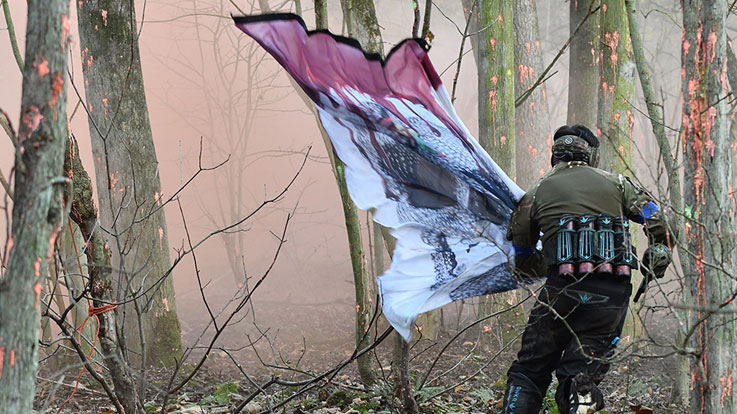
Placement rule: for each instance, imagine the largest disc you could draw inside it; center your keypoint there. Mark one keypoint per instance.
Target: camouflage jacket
(576, 188)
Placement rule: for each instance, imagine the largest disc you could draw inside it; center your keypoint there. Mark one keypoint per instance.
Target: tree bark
(583, 75)
(360, 19)
(127, 174)
(616, 89)
(532, 120)
(673, 211)
(38, 208)
(494, 46)
(710, 233)
(321, 14)
(84, 213)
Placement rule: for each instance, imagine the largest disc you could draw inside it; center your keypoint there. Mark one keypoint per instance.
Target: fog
(187, 53)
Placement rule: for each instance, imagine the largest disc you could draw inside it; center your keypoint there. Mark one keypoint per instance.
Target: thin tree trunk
(360, 17)
(614, 114)
(127, 174)
(495, 59)
(674, 210)
(321, 14)
(615, 91)
(84, 213)
(38, 208)
(532, 120)
(583, 74)
(710, 233)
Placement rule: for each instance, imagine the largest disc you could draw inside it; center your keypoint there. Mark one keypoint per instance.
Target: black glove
(656, 259)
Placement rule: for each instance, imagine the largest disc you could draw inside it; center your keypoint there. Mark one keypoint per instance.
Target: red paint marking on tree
(2, 359)
(527, 46)
(726, 385)
(531, 150)
(31, 119)
(612, 41)
(42, 67)
(104, 104)
(104, 16)
(492, 42)
(11, 358)
(57, 86)
(52, 242)
(113, 181)
(37, 289)
(65, 27)
(90, 59)
(492, 100)
(494, 80)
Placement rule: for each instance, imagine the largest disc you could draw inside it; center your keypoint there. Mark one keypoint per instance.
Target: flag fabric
(409, 159)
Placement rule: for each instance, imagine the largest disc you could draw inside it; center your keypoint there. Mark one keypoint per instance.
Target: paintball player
(583, 213)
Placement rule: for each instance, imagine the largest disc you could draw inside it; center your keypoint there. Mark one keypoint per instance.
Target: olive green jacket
(576, 188)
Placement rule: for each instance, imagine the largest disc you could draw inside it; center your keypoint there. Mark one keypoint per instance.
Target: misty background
(201, 90)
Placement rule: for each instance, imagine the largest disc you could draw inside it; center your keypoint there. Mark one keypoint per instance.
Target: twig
(11, 34)
(426, 19)
(460, 52)
(238, 308)
(6, 185)
(451, 340)
(8, 127)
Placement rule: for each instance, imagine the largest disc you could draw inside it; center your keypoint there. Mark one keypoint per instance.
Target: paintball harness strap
(592, 244)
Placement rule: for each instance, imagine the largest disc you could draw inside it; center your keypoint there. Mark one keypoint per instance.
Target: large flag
(409, 159)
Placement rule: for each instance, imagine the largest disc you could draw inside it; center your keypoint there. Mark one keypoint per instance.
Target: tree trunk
(710, 235)
(616, 89)
(493, 46)
(674, 211)
(321, 14)
(614, 113)
(360, 19)
(84, 213)
(583, 75)
(532, 120)
(38, 207)
(495, 59)
(127, 175)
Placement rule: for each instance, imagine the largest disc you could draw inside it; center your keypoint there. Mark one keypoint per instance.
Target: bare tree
(615, 89)
(532, 120)
(583, 72)
(127, 175)
(38, 209)
(710, 236)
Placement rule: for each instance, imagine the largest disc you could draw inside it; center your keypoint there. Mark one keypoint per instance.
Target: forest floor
(468, 377)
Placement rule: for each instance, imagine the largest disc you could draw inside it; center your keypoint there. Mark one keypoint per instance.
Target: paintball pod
(587, 243)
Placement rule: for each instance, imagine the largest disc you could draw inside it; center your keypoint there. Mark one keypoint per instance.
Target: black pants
(572, 329)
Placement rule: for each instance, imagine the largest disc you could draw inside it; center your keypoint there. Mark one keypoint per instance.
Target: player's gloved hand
(656, 259)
